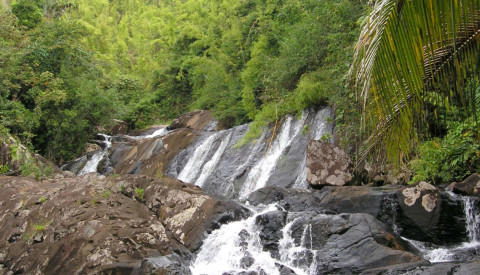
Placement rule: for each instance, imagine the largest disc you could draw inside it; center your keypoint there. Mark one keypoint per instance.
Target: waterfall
(92, 164)
(236, 247)
(302, 257)
(437, 254)
(472, 219)
(195, 163)
(209, 167)
(219, 166)
(260, 173)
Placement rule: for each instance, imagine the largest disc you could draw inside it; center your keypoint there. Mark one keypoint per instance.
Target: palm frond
(403, 51)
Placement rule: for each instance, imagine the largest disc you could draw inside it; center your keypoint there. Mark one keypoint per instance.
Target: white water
(210, 166)
(223, 250)
(158, 133)
(298, 256)
(92, 164)
(447, 254)
(260, 173)
(195, 164)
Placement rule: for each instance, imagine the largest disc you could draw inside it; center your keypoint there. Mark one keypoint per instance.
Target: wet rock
(270, 236)
(96, 224)
(116, 127)
(470, 186)
(149, 156)
(428, 269)
(420, 206)
(247, 261)
(327, 165)
(285, 270)
(348, 241)
(434, 217)
(171, 264)
(76, 165)
(196, 120)
(295, 200)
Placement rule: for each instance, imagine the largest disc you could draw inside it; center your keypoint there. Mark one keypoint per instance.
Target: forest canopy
(71, 66)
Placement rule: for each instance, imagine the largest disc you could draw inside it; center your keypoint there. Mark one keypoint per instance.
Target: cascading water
(161, 132)
(437, 254)
(301, 257)
(209, 167)
(92, 164)
(194, 165)
(236, 247)
(260, 173)
(220, 167)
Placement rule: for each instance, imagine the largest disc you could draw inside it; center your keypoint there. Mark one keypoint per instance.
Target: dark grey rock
(470, 186)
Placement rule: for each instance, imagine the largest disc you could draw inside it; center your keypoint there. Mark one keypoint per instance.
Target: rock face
(327, 165)
(433, 217)
(350, 243)
(149, 156)
(470, 186)
(196, 120)
(94, 224)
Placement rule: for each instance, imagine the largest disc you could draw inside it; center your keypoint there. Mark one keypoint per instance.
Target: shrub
(452, 157)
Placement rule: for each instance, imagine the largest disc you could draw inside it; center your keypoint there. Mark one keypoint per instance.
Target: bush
(450, 158)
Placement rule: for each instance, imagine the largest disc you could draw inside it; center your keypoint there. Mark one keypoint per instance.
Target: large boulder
(420, 212)
(334, 244)
(354, 242)
(196, 120)
(96, 224)
(327, 165)
(470, 186)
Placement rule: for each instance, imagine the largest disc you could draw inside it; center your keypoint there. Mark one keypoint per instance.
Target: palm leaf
(405, 49)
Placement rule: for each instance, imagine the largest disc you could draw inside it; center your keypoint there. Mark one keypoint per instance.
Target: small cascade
(472, 219)
(195, 163)
(210, 166)
(260, 173)
(437, 254)
(156, 134)
(302, 257)
(236, 248)
(92, 164)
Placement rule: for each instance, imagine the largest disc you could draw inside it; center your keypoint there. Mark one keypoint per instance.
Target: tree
(412, 58)
(28, 13)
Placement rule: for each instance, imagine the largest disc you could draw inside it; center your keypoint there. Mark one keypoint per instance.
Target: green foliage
(28, 13)
(411, 54)
(146, 61)
(39, 227)
(106, 194)
(450, 158)
(139, 192)
(4, 168)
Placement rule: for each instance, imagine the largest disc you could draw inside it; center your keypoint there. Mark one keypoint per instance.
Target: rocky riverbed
(184, 199)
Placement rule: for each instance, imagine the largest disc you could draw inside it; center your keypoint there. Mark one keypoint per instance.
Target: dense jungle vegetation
(69, 66)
